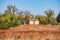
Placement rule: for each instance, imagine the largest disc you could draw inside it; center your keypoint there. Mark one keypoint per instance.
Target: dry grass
(31, 32)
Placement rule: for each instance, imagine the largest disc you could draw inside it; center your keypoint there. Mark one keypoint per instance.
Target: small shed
(34, 21)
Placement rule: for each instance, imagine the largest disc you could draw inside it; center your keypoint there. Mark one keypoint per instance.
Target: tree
(10, 20)
(27, 16)
(49, 14)
(42, 19)
(11, 10)
(58, 17)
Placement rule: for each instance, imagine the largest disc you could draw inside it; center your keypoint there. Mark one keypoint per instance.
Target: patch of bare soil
(31, 32)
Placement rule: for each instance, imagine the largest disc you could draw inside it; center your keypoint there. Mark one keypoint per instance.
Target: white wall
(31, 22)
(36, 22)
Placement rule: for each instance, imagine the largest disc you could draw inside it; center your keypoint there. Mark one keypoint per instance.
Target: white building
(34, 21)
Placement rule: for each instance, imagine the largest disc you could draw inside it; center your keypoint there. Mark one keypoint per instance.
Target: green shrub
(54, 23)
(5, 26)
(8, 21)
(43, 20)
(14, 23)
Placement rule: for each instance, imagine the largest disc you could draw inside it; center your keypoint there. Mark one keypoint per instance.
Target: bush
(6, 26)
(1, 26)
(43, 20)
(8, 21)
(14, 23)
(53, 21)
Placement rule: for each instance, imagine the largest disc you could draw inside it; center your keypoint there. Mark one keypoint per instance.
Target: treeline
(12, 17)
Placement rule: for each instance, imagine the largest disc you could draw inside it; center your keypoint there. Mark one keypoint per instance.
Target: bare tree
(49, 13)
(11, 10)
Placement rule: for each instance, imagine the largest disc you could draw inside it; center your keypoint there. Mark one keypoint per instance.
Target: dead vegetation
(31, 32)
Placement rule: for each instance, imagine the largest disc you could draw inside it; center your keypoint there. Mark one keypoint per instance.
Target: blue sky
(36, 7)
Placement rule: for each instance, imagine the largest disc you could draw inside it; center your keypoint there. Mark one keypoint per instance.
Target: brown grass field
(31, 32)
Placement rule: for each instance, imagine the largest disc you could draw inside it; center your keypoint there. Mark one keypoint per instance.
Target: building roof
(33, 19)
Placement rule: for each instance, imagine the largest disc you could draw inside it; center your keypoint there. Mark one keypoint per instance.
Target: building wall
(34, 22)
(31, 22)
